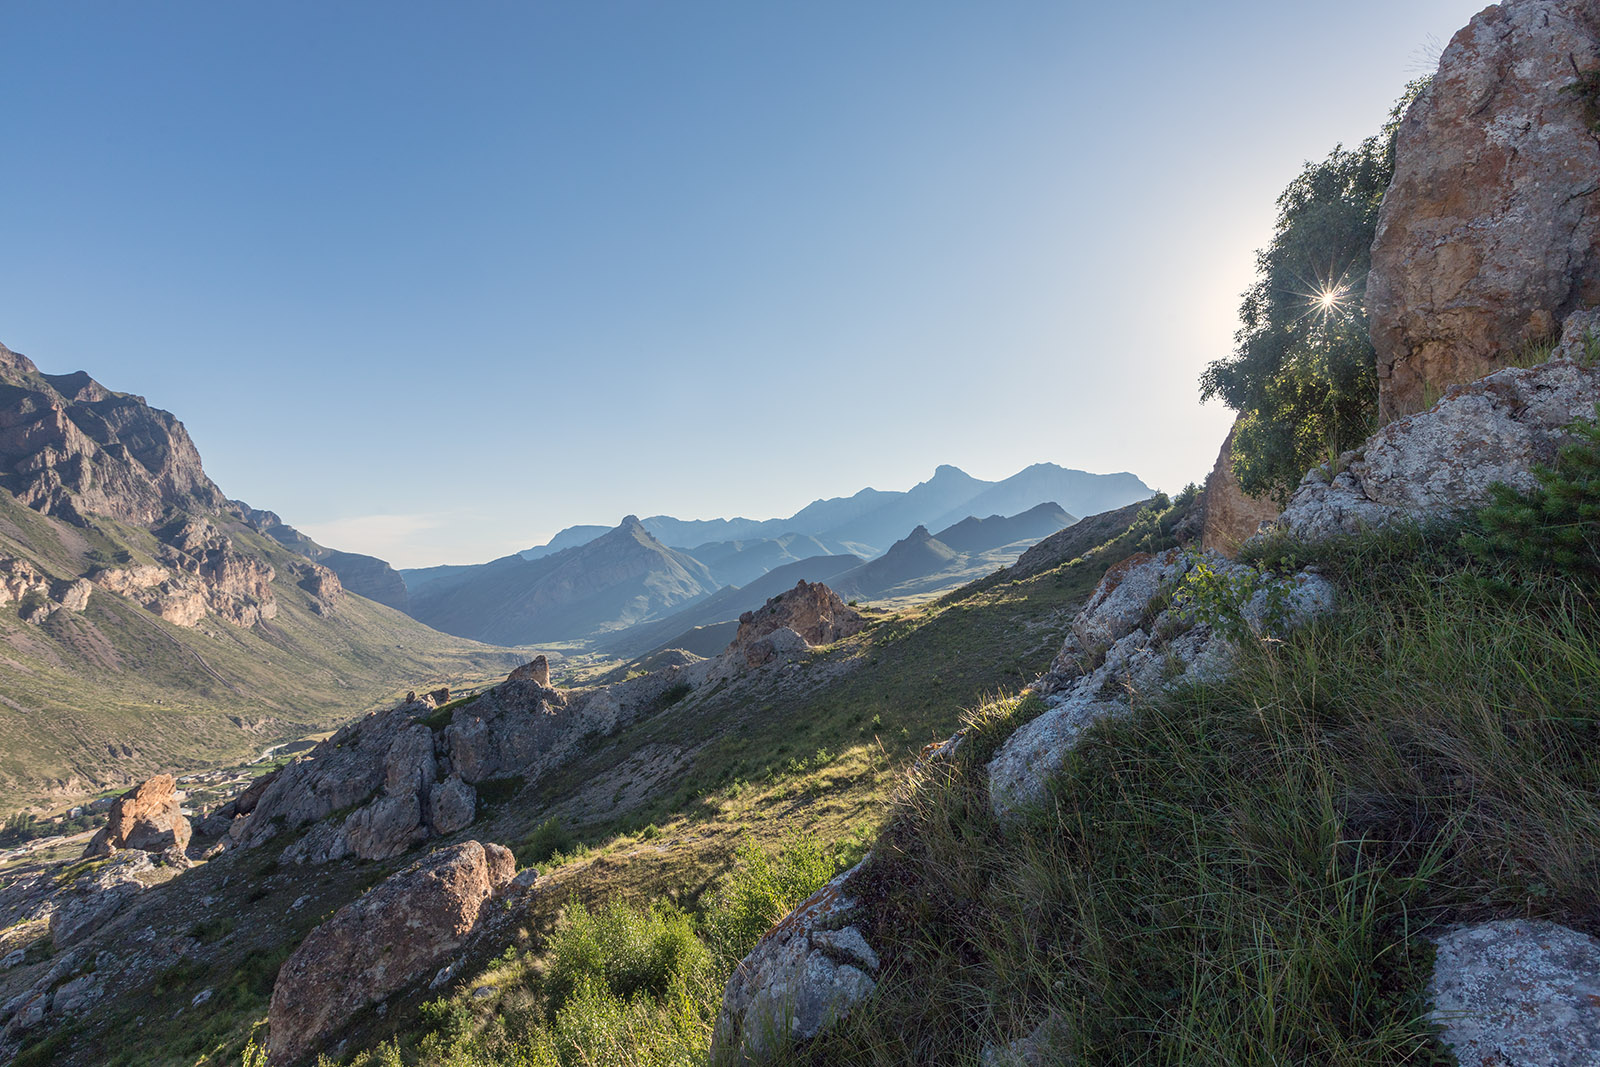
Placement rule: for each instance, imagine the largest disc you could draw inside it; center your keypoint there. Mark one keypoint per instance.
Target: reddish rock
(536, 670)
(1488, 237)
(148, 817)
(1231, 517)
(810, 609)
(396, 934)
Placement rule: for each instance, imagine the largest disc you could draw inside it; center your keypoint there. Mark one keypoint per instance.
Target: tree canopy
(1303, 374)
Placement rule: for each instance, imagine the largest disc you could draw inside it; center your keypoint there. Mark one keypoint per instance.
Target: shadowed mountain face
(70, 448)
(979, 535)
(619, 579)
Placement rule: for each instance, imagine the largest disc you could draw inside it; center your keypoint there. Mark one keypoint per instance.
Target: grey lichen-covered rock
(1518, 993)
(409, 766)
(98, 895)
(1135, 637)
(386, 827)
(1580, 337)
(451, 805)
(807, 972)
(1043, 1046)
(1438, 463)
(1020, 770)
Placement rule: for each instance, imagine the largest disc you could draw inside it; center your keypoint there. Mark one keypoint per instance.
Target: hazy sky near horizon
(435, 281)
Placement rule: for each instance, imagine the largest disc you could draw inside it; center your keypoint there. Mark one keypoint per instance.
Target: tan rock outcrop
(536, 670)
(148, 817)
(1489, 235)
(812, 610)
(1230, 517)
(387, 939)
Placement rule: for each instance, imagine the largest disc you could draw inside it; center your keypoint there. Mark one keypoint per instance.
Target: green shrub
(547, 839)
(624, 951)
(761, 890)
(1554, 529)
(673, 694)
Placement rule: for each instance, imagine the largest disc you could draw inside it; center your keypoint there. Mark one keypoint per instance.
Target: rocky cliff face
(1489, 234)
(76, 451)
(69, 447)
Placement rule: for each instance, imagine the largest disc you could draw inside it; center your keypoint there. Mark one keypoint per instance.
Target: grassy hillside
(1249, 872)
(801, 762)
(103, 698)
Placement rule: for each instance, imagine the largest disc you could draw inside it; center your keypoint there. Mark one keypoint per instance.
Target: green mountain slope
(108, 696)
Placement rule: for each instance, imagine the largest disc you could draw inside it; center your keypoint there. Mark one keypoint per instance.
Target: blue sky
(434, 281)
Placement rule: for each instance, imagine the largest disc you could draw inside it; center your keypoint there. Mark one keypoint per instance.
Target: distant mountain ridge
(871, 520)
(621, 578)
(662, 576)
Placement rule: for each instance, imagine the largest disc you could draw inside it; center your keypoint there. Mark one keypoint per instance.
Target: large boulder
(1435, 464)
(1488, 236)
(393, 936)
(1518, 993)
(148, 817)
(1230, 517)
(807, 972)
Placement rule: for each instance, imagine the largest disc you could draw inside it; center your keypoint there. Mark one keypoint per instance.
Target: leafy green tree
(1303, 375)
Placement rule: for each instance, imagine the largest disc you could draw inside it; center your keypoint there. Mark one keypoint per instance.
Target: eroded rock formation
(37, 594)
(810, 611)
(1489, 234)
(148, 817)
